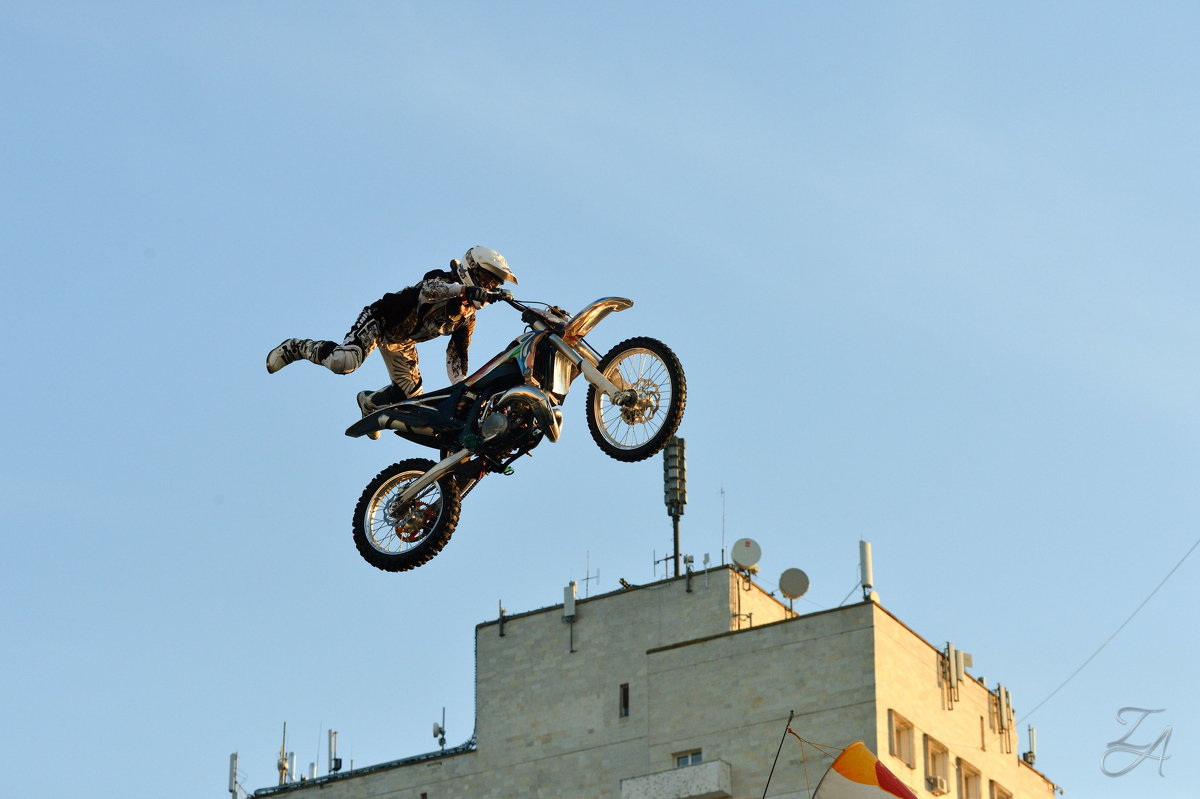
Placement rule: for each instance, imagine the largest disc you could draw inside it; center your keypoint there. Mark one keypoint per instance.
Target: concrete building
(683, 688)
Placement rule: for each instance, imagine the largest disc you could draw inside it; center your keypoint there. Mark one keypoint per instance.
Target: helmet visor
(485, 279)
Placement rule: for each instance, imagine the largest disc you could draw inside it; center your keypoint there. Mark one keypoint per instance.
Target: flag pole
(786, 727)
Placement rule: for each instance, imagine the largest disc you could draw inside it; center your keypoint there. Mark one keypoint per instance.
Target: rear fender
(398, 418)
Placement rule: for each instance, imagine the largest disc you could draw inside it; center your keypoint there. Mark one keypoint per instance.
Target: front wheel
(649, 406)
(395, 536)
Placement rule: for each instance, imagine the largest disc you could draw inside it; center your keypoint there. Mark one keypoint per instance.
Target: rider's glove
(477, 295)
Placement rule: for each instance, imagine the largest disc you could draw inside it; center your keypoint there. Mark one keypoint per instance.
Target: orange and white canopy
(858, 774)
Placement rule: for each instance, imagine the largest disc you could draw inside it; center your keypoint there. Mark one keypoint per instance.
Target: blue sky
(930, 269)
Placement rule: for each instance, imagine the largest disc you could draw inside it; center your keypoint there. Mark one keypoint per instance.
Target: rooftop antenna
(722, 524)
(335, 762)
(317, 763)
(963, 661)
(746, 554)
(439, 730)
(867, 575)
(1029, 757)
(793, 583)
(675, 487)
(665, 560)
(282, 765)
(588, 577)
(233, 784)
(569, 593)
(1004, 707)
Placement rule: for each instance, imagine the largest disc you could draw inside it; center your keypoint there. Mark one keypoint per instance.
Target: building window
(687, 758)
(972, 783)
(624, 700)
(999, 793)
(937, 767)
(900, 738)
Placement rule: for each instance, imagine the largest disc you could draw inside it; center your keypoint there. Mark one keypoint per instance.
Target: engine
(509, 428)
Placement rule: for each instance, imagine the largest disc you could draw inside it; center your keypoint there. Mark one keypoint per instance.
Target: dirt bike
(483, 424)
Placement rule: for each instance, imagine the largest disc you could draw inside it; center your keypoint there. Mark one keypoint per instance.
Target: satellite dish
(793, 583)
(746, 553)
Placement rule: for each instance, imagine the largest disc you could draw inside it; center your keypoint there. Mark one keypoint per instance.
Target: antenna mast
(722, 524)
(588, 577)
(282, 765)
(439, 730)
(675, 487)
(335, 762)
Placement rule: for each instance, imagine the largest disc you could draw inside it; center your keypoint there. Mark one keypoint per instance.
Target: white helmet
(486, 260)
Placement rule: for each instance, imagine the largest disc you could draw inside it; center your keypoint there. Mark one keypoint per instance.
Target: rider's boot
(296, 349)
(367, 407)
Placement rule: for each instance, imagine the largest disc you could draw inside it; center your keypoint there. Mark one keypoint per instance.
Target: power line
(1115, 632)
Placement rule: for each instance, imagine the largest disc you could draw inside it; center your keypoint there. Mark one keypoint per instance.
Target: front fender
(584, 321)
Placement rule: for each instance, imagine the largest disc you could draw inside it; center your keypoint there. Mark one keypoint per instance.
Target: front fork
(587, 361)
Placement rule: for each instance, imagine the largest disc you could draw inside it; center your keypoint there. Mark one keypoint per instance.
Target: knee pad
(343, 360)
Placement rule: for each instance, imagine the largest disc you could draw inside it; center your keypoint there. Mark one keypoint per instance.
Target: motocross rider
(442, 304)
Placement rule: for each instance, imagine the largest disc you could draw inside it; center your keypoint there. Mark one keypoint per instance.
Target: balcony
(709, 780)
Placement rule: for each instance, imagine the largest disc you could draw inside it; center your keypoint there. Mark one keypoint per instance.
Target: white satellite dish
(793, 583)
(746, 553)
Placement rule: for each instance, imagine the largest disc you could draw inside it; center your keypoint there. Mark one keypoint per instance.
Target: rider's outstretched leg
(341, 358)
(298, 349)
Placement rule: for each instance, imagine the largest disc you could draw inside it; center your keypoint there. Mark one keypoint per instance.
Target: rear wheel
(395, 536)
(649, 407)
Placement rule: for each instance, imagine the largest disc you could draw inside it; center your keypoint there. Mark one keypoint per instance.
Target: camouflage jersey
(397, 321)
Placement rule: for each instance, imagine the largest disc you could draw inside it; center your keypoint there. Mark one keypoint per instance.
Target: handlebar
(530, 315)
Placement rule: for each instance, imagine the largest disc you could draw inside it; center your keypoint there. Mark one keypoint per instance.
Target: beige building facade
(682, 689)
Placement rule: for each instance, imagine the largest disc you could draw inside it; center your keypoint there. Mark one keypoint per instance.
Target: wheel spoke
(391, 531)
(653, 391)
(646, 374)
(397, 537)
